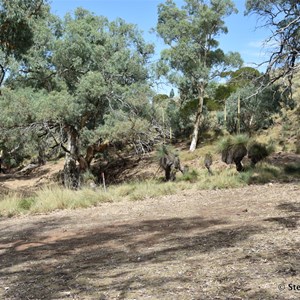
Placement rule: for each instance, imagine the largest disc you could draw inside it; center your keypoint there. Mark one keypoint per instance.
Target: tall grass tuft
(26, 203)
(56, 198)
(191, 176)
(228, 178)
(265, 173)
(10, 205)
(227, 142)
(162, 150)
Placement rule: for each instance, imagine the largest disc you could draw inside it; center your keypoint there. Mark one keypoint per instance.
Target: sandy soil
(230, 244)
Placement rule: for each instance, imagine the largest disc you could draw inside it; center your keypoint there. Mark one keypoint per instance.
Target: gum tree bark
(197, 123)
(71, 171)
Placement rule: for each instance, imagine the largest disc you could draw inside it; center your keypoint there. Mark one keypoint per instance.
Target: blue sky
(243, 36)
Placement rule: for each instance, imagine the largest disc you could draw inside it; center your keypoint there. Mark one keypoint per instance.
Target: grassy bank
(53, 198)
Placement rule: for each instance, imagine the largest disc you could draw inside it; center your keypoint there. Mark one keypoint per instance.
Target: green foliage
(257, 152)
(222, 92)
(242, 77)
(240, 139)
(17, 21)
(265, 173)
(160, 99)
(84, 73)
(292, 169)
(107, 78)
(190, 176)
(26, 203)
(55, 107)
(162, 150)
(226, 95)
(132, 122)
(256, 109)
(271, 146)
(193, 58)
(212, 105)
(232, 140)
(258, 149)
(17, 112)
(88, 176)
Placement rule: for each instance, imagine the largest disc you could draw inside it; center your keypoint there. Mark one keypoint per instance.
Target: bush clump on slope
(233, 150)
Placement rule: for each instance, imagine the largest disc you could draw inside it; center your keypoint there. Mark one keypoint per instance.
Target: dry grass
(187, 156)
(54, 198)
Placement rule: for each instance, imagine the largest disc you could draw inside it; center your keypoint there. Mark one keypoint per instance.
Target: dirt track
(232, 244)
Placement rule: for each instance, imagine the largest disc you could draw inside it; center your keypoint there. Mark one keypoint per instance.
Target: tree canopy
(84, 76)
(82, 83)
(193, 58)
(17, 24)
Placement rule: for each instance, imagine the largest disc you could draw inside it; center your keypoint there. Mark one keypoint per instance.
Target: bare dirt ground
(223, 244)
(28, 183)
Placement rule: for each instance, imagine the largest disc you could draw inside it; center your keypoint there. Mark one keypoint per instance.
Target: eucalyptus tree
(92, 80)
(193, 58)
(17, 22)
(103, 65)
(242, 77)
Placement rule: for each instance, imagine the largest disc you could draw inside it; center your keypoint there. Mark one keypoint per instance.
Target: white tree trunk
(198, 118)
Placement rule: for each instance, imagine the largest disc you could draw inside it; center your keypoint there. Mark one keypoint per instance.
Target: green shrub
(257, 152)
(265, 173)
(227, 142)
(191, 176)
(292, 169)
(162, 150)
(26, 203)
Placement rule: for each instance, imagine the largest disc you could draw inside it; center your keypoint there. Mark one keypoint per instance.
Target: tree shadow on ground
(108, 258)
(293, 207)
(288, 257)
(280, 262)
(288, 222)
(266, 295)
(25, 176)
(116, 169)
(291, 220)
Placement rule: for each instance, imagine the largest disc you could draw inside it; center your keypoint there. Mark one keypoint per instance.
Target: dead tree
(283, 20)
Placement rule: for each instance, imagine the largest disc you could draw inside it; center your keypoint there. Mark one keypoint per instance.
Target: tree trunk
(239, 115)
(71, 171)
(198, 118)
